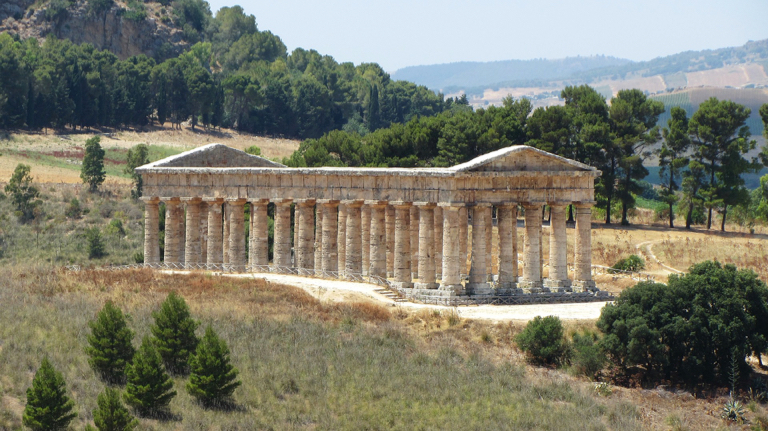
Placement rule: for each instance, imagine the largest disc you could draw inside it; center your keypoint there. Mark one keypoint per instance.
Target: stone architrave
(427, 278)
(237, 235)
(478, 276)
(259, 231)
(390, 227)
(172, 248)
(558, 251)
(192, 250)
(365, 229)
(583, 260)
(282, 236)
(330, 257)
(506, 217)
(531, 282)
(151, 230)
(215, 245)
(402, 265)
(378, 239)
(354, 260)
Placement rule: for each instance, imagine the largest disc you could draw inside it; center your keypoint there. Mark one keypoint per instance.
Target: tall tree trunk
(709, 219)
(671, 215)
(624, 211)
(689, 217)
(608, 211)
(725, 213)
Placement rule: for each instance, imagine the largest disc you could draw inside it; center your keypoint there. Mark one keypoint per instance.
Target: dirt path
(646, 247)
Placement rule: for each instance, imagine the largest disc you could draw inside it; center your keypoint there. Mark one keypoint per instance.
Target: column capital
(425, 205)
(401, 204)
(480, 204)
(259, 202)
(214, 200)
(150, 199)
(305, 202)
(353, 203)
(451, 205)
(584, 204)
(532, 205)
(168, 200)
(192, 200)
(375, 203)
(282, 202)
(557, 205)
(507, 205)
(328, 202)
(236, 201)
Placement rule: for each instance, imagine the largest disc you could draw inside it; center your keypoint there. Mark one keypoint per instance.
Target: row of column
(421, 245)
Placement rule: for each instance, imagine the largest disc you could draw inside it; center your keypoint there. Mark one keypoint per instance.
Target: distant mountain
(477, 74)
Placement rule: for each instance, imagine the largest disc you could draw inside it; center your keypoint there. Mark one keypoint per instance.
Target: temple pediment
(214, 156)
(521, 158)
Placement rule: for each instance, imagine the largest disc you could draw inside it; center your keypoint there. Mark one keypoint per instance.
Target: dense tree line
(234, 76)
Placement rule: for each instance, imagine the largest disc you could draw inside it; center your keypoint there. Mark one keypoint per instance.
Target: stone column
(225, 237)
(151, 230)
(378, 239)
(438, 232)
(426, 246)
(354, 250)
(531, 281)
(582, 278)
(237, 235)
(390, 228)
(341, 240)
(365, 229)
(172, 231)
(463, 232)
(506, 216)
(295, 243)
(304, 249)
(478, 275)
(414, 240)
(181, 232)
(489, 245)
(203, 232)
(318, 246)
(282, 237)
(558, 251)
(402, 264)
(215, 244)
(451, 272)
(330, 236)
(192, 250)
(259, 245)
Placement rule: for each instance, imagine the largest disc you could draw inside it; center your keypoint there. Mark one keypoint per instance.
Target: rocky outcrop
(108, 30)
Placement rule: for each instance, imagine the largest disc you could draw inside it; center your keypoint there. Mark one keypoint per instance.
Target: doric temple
(408, 228)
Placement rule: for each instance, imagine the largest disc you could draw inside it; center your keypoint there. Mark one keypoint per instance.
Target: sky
(400, 33)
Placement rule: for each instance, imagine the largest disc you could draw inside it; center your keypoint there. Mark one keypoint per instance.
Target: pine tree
(48, 406)
(149, 388)
(92, 172)
(174, 332)
(212, 378)
(110, 349)
(111, 414)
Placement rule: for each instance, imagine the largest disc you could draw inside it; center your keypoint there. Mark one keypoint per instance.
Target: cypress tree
(111, 414)
(92, 172)
(149, 388)
(48, 406)
(110, 349)
(174, 332)
(212, 378)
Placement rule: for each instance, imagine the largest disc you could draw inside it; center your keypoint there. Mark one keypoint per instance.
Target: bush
(586, 356)
(23, 194)
(542, 340)
(149, 387)
(632, 263)
(48, 406)
(138, 257)
(111, 414)
(687, 330)
(92, 171)
(174, 332)
(253, 150)
(74, 210)
(94, 243)
(110, 349)
(212, 378)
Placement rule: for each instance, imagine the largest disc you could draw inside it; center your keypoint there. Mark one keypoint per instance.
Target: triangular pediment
(214, 156)
(521, 158)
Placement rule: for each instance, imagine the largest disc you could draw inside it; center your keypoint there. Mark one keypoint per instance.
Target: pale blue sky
(401, 33)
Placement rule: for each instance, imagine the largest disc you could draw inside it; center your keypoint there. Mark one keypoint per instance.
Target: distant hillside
(474, 74)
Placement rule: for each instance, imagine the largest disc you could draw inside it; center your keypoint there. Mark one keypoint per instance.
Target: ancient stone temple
(426, 232)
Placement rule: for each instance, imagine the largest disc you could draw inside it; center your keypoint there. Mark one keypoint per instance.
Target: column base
(453, 289)
(584, 286)
(508, 288)
(481, 288)
(558, 285)
(402, 284)
(421, 285)
(531, 286)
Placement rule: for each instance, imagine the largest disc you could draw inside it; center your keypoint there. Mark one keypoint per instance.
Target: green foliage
(138, 257)
(149, 387)
(111, 414)
(99, 6)
(109, 344)
(733, 411)
(174, 332)
(23, 193)
(92, 172)
(57, 9)
(115, 228)
(632, 263)
(136, 11)
(94, 243)
(212, 378)
(586, 356)
(676, 332)
(253, 150)
(74, 210)
(137, 156)
(48, 406)
(673, 157)
(542, 339)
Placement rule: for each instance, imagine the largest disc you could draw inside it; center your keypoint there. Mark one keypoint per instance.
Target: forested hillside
(234, 76)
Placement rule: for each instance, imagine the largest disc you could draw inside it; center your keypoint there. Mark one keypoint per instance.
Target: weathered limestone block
(193, 251)
(531, 281)
(342, 240)
(558, 251)
(172, 232)
(354, 249)
(426, 246)
(215, 244)
(438, 233)
(451, 271)
(318, 246)
(489, 246)
(507, 223)
(378, 239)
(365, 228)
(390, 227)
(151, 230)
(227, 208)
(402, 265)
(237, 235)
(259, 240)
(478, 275)
(282, 235)
(330, 236)
(463, 232)
(203, 232)
(413, 224)
(583, 259)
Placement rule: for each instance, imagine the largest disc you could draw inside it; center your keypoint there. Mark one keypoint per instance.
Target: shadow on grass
(161, 416)
(228, 406)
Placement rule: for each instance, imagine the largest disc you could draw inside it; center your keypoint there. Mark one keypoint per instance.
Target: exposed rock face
(108, 30)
